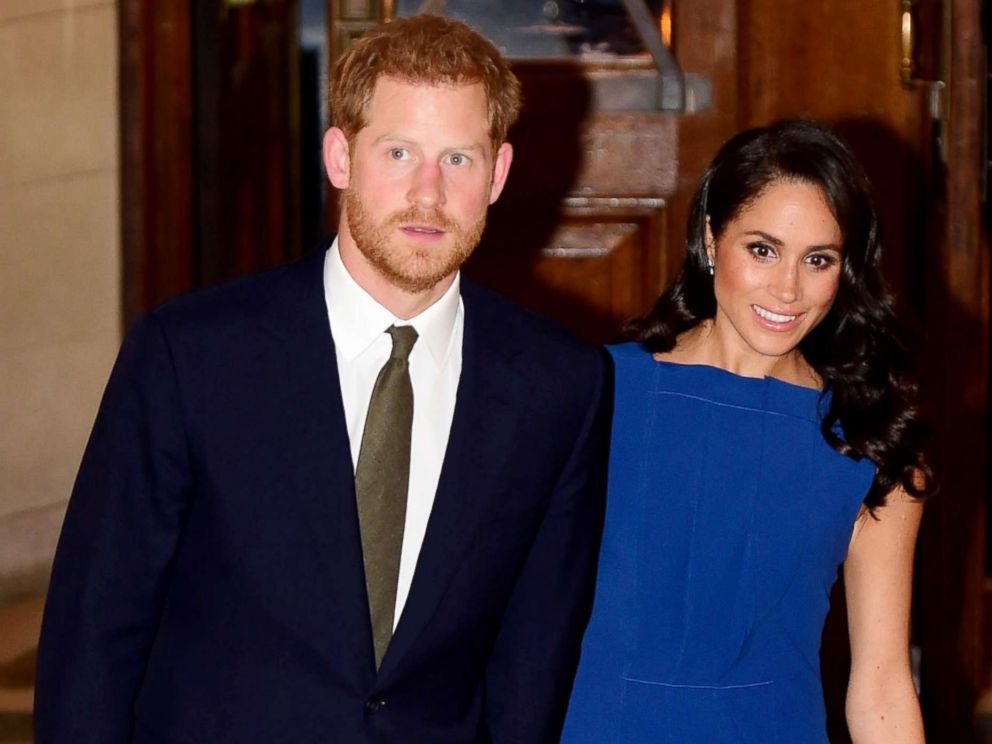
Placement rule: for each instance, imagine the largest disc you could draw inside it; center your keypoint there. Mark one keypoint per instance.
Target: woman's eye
(820, 261)
(761, 250)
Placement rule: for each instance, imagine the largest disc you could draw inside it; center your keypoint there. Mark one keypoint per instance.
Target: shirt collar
(357, 320)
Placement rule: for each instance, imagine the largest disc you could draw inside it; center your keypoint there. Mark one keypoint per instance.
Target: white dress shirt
(362, 346)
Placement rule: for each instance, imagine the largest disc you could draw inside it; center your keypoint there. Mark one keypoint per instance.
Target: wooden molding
(156, 89)
(952, 548)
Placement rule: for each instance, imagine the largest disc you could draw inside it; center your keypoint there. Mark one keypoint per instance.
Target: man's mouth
(423, 229)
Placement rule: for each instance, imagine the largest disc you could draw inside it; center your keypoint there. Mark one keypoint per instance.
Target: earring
(710, 266)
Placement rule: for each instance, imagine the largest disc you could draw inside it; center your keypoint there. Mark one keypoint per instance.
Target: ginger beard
(410, 267)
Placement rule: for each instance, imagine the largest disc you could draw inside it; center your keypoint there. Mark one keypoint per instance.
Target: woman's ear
(710, 243)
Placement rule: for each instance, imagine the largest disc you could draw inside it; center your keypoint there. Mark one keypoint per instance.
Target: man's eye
(397, 153)
(457, 159)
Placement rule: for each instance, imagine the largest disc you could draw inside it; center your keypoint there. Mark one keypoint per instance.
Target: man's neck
(400, 302)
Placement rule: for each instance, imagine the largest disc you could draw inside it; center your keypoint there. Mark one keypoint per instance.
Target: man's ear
(501, 169)
(337, 159)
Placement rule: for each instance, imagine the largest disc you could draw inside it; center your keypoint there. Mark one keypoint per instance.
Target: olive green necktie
(381, 482)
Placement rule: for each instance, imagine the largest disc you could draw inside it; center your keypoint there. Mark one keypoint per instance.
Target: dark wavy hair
(859, 349)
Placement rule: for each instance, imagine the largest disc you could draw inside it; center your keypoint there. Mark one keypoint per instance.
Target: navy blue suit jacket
(208, 584)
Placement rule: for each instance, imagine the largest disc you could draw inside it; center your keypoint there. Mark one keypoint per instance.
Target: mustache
(434, 217)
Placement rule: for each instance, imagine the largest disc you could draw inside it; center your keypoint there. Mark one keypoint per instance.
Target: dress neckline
(721, 387)
(735, 375)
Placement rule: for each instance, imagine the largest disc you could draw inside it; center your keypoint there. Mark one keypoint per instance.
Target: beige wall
(59, 260)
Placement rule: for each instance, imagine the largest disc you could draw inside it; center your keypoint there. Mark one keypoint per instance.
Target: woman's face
(776, 271)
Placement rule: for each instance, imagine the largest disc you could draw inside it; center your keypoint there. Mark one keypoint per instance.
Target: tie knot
(404, 337)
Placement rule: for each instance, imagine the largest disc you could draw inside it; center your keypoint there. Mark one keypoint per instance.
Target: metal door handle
(907, 34)
(908, 47)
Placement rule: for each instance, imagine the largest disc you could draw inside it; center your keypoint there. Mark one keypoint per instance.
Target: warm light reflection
(665, 24)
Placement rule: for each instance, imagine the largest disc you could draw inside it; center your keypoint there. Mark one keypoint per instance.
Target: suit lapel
(318, 459)
(482, 431)
(320, 470)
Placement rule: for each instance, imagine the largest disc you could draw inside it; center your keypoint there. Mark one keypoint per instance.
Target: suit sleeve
(112, 564)
(529, 676)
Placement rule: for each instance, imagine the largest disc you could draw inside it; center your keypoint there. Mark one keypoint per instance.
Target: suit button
(374, 705)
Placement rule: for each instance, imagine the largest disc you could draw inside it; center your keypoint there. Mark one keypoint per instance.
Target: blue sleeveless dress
(727, 517)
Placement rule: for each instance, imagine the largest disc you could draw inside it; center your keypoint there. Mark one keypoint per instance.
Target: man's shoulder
(520, 323)
(279, 291)
(528, 335)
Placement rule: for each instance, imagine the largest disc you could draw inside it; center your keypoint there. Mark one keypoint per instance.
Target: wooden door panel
(578, 234)
(597, 269)
(604, 155)
(247, 138)
(156, 125)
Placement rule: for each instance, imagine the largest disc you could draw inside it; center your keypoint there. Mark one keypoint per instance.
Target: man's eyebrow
(401, 140)
(391, 138)
(475, 147)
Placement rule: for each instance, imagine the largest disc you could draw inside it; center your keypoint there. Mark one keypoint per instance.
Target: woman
(764, 433)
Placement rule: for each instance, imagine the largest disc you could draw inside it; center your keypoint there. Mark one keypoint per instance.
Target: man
(353, 499)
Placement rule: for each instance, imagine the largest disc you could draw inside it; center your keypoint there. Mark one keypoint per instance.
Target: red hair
(423, 49)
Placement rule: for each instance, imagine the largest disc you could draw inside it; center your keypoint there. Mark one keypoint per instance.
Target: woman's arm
(881, 702)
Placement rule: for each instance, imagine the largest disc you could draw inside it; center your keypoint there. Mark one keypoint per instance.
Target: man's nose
(427, 189)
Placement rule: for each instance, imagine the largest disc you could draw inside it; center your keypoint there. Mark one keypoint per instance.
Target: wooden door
(210, 138)
(246, 137)
(156, 87)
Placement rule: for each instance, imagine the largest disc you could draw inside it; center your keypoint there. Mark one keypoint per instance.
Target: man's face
(417, 180)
